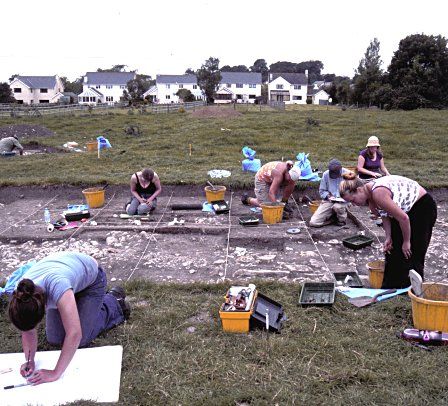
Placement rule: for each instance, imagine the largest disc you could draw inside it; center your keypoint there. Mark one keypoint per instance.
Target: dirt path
(205, 247)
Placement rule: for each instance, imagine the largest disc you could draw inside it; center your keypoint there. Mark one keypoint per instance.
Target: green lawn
(339, 355)
(414, 144)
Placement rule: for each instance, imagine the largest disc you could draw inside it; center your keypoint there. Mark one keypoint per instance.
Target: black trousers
(422, 217)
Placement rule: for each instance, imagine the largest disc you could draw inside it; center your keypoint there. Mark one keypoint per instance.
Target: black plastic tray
(220, 206)
(317, 294)
(77, 215)
(274, 309)
(354, 282)
(249, 221)
(357, 242)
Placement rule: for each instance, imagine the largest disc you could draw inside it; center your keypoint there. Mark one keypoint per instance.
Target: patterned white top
(405, 191)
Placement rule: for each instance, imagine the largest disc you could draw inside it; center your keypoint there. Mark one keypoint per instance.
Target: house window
(44, 101)
(17, 90)
(297, 87)
(278, 87)
(239, 85)
(229, 85)
(92, 99)
(252, 86)
(195, 86)
(31, 101)
(109, 98)
(108, 86)
(122, 87)
(181, 86)
(168, 86)
(239, 96)
(98, 86)
(44, 90)
(251, 96)
(167, 97)
(297, 97)
(20, 101)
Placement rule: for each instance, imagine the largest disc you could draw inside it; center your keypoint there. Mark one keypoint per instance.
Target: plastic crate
(357, 242)
(354, 282)
(317, 294)
(237, 321)
(263, 305)
(249, 221)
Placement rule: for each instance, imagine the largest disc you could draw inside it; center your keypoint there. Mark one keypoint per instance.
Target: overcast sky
(69, 37)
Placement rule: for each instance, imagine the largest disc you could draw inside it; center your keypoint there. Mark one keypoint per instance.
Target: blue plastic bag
(249, 153)
(251, 165)
(14, 278)
(306, 172)
(103, 142)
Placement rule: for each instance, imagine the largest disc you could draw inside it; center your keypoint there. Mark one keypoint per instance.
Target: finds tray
(220, 206)
(357, 242)
(248, 221)
(263, 305)
(76, 215)
(317, 294)
(349, 279)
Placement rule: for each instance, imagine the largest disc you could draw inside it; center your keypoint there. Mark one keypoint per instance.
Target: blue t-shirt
(62, 271)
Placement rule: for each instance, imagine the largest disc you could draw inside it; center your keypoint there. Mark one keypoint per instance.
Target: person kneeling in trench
(70, 289)
(330, 211)
(273, 181)
(145, 187)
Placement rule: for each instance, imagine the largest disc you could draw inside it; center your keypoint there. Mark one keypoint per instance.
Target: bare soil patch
(216, 112)
(25, 131)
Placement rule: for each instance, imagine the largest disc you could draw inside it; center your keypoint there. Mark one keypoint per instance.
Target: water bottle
(47, 216)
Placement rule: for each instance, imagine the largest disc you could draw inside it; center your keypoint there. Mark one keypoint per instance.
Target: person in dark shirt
(9, 144)
(370, 160)
(145, 187)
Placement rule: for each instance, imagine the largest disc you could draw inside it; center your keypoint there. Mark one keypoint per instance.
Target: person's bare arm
(29, 345)
(275, 185)
(134, 189)
(383, 198)
(158, 186)
(361, 169)
(383, 167)
(387, 245)
(73, 334)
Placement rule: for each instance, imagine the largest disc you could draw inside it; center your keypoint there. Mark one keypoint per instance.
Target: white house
(104, 87)
(241, 87)
(319, 96)
(37, 89)
(168, 85)
(291, 88)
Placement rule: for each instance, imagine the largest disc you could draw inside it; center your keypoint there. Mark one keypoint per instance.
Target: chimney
(85, 79)
(270, 77)
(306, 72)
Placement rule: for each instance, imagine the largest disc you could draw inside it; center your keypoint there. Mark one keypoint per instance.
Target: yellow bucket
(215, 194)
(94, 197)
(376, 273)
(92, 146)
(314, 206)
(352, 168)
(430, 312)
(272, 212)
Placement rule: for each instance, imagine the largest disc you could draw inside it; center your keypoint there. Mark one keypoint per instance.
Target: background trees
(209, 77)
(6, 93)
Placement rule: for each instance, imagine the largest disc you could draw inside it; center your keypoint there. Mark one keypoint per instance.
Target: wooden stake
(190, 148)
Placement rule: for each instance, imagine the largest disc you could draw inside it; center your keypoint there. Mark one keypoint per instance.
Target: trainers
(127, 204)
(119, 293)
(245, 199)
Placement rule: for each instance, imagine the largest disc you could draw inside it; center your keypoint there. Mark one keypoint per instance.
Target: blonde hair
(350, 184)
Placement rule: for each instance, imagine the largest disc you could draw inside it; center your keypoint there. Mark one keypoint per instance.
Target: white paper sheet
(94, 374)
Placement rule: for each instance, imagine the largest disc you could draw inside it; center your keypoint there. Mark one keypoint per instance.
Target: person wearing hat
(273, 181)
(330, 210)
(145, 187)
(9, 144)
(370, 160)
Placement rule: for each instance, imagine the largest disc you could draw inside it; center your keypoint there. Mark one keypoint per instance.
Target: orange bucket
(376, 273)
(314, 205)
(272, 212)
(215, 194)
(94, 197)
(92, 146)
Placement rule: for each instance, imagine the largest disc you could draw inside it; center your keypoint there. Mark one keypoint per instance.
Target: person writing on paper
(371, 161)
(70, 289)
(409, 214)
(331, 209)
(273, 181)
(145, 187)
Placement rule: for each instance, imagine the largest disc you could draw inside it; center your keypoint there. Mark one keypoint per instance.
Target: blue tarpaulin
(103, 142)
(14, 278)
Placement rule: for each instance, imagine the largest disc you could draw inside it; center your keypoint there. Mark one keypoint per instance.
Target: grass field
(340, 355)
(414, 144)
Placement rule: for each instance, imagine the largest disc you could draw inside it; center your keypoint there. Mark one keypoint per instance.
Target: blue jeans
(136, 208)
(98, 311)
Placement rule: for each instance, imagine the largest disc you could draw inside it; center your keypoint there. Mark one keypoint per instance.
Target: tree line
(417, 77)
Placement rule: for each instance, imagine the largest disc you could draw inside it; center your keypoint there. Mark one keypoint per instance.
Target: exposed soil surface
(199, 246)
(216, 111)
(24, 131)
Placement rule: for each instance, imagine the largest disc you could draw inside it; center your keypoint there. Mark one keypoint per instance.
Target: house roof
(292, 78)
(224, 90)
(109, 78)
(313, 92)
(91, 92)
(241, 77)
(187, 78)
(38, 82)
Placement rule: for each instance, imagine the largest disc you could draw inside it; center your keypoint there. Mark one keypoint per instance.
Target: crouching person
(145, 187)
(70, 288)
(330, 211)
